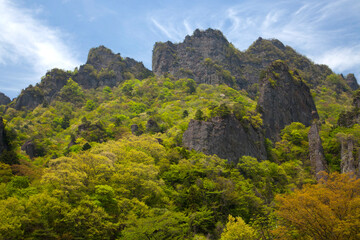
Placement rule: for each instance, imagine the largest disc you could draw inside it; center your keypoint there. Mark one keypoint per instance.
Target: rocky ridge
(208, 57)
(351, 81)
(103, 68)
(4, 100)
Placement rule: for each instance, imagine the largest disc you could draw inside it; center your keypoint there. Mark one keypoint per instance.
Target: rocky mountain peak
(351, 81)
(208, 57)
(103, 68)
(4, 100)
(260, 42)
(213, 35)
(102, 57)
(284, 98)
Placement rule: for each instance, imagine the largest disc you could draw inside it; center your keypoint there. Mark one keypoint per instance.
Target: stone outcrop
(351, 81)
(284, 98)
(265, 51)
(208, 57)
(4, 100)
(316, 151)
(225, 137)
(30, 148)
(45, 91)
(103, 68)
(3, 141)
(348, 163)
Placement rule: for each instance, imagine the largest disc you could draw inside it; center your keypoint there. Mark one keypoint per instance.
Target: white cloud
(163, 29)
(25, 39)
(341, 59)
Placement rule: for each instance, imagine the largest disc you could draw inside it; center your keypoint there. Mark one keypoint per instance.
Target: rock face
(351, 81)
(317, 158)
(284, 98)
(29, 148)
(46, 90)
(348, 163)
(103, 68)
(225, 137)
(4, 100)
(208, 57)
(3, 142)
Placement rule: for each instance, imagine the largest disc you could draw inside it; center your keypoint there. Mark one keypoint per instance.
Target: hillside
(208, 145)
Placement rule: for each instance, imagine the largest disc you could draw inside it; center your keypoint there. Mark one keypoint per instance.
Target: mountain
(103, 68)
(215, 144)
(208, 57)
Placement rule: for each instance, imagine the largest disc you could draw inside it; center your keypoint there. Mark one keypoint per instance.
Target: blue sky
(38, 35)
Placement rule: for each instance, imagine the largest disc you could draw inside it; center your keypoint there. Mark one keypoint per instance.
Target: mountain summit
(208, 57)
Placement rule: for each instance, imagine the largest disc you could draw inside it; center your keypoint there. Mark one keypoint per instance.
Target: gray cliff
(284, 98)
(351, 81)
(4, 100)
(208, 57)
(225, 137)
(316, 151)
(348, 163)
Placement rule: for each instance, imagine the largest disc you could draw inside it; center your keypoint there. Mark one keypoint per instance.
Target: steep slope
(263, 52)
(316, 151)
(103, 68)
(208, 57)
(351, 81)
(284, 98)
(3, 143)
(46, 90)
(225, 137)
(4, 100)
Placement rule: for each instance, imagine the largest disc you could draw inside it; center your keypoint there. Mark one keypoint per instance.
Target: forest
(109, 163)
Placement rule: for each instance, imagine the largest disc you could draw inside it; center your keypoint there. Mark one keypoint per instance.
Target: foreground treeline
(82, 173)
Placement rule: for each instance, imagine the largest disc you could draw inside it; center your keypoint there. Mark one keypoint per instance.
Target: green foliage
(94, 180)
(72, 92)
(169, 225)
(221, 111)
(237, 229)
(90, 105)
(199, 115)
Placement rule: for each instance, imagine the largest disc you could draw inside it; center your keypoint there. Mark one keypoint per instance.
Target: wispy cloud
(341, 58)
(25, 39)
